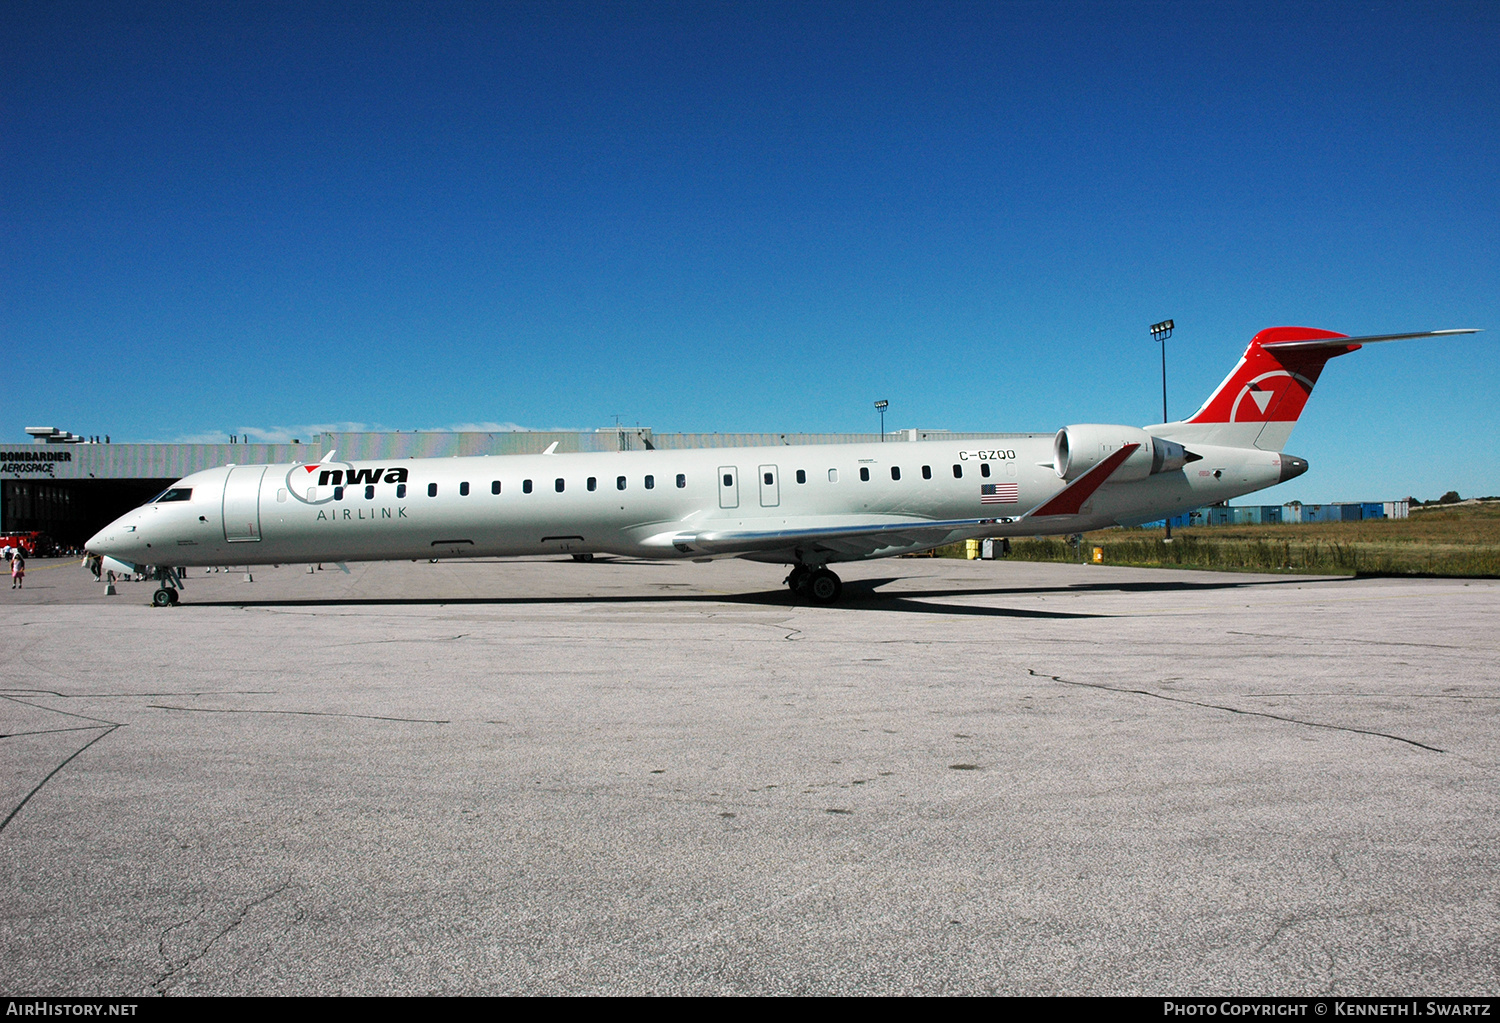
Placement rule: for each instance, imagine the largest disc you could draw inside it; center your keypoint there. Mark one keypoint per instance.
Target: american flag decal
(999, 493)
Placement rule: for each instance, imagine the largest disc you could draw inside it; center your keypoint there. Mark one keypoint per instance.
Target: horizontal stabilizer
(1345, 342)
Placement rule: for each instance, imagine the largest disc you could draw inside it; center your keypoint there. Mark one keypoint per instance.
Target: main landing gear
(818, 583)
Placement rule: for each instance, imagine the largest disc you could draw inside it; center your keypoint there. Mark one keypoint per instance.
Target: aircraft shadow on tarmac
(859, 594)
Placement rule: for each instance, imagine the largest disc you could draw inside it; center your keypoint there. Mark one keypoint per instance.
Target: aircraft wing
(854, 540)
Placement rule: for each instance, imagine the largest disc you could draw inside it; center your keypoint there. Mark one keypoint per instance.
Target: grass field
(1449, 540)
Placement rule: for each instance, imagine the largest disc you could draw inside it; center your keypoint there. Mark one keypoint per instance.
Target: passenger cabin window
(557, 484)
(338, 493)
(984, 468)
(895, 472)
(801, 475)
(769, 479)
(958, 471)
(369, 492)
(833, 475)
(593, 483)
(174, 494)
(927, 472)
(400, 490)
(494, 486)
(681, 481)
(729, 479)
(463, 489)
(864, 474)
(525, 486)
(432, 490)
(619, 482)
(650, 482)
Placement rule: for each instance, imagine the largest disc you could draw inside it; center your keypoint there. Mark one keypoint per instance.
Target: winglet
(328, 457)
(551, 449)
(1070, 499)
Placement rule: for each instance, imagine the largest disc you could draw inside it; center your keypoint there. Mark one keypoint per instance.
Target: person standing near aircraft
(18, 572)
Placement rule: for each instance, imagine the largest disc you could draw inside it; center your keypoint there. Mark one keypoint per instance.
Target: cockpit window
(174, 494)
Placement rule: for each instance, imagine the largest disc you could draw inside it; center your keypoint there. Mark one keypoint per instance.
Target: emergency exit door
(770, 487)
(729, 486)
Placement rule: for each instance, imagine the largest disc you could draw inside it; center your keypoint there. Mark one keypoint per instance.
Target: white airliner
(805, 506)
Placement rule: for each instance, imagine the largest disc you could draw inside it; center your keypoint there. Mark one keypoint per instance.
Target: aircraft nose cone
(112, 539)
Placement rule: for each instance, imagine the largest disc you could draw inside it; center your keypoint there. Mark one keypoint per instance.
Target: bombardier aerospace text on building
(807, 506)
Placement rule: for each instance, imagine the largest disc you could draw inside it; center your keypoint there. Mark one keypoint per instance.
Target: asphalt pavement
(549, 777)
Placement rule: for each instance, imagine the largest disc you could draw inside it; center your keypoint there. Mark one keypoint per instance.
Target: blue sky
(260, 218)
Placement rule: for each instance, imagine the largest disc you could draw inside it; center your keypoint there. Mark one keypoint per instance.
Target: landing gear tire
(797, 581)
(824, 587)
(164, 598)
(583, 557)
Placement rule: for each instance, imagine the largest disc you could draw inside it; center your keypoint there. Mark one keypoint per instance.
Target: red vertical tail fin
(1259, 402)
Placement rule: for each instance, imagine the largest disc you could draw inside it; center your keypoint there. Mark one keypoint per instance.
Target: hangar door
(242, 503)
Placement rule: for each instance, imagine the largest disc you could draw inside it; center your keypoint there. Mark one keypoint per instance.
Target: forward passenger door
(242, 503)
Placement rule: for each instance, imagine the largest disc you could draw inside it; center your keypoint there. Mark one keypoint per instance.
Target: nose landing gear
(171, 581)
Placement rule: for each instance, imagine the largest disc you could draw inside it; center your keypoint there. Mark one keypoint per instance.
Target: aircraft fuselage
(640, 503)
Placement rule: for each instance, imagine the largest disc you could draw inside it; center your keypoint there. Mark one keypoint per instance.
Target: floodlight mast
(881, 406)
(1159, 333)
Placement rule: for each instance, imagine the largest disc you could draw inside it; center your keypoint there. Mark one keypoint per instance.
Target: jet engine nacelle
(1077, 449)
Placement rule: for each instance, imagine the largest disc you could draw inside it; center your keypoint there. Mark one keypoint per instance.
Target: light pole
(881, 406)
(1160, 332)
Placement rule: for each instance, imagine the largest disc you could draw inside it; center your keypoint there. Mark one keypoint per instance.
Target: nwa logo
(318, 483)
(1278, 395)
